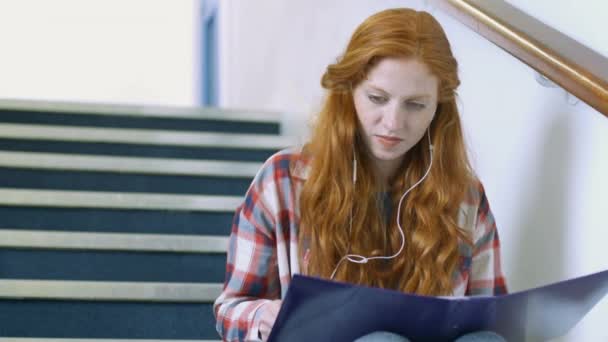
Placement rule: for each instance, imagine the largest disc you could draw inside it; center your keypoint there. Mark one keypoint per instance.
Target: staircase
(114, 220)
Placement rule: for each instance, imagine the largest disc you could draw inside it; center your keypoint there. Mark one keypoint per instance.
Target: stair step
(117, 182)
(62, 240)
(117, 220)
(30, 254)
(140, 142)
(106, 320)
(112, 266)
(109, 291)
(137, 150)
(130, 116)
(101, 173)
(141, 136)
(117, 200)
(151, 111)
(161, 166)
(142, 122)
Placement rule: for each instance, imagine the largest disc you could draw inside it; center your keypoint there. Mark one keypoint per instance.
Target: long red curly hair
(429, 213)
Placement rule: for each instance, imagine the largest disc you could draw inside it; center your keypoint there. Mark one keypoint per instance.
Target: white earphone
(360, 259)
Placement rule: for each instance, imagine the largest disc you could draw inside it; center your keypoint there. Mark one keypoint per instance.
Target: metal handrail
(570, 64)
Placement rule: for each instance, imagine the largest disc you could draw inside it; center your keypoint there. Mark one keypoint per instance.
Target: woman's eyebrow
(410, 97)
(419, 97)
(378, 89)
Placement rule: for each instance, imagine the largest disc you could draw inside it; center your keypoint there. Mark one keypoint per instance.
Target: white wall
(274, 52)
(542, 160)
(136, 51)
(568, 15)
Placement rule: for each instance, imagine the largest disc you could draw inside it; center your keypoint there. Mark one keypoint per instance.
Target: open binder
(321, 310)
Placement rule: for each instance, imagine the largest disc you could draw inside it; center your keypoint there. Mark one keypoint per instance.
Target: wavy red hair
(429, 213)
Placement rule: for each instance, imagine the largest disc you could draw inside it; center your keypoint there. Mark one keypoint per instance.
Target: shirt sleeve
(251, 271)
(486, 277)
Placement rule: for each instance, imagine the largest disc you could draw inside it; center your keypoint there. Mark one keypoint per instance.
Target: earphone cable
(359, 259)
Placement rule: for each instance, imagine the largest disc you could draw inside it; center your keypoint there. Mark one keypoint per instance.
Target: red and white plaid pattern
(263, 248)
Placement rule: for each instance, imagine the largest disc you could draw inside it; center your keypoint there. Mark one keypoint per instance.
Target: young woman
(382, 195)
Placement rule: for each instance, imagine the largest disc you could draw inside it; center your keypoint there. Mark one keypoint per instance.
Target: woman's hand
(268, 315)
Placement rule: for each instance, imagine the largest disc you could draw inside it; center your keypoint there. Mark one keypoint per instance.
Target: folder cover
(321, 310)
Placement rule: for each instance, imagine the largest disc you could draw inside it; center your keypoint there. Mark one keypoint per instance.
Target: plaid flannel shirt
(263, 247)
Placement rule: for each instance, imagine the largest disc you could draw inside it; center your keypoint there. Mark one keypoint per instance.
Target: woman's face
(395, 105)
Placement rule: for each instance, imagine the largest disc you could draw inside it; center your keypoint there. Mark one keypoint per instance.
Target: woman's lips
(388, 142)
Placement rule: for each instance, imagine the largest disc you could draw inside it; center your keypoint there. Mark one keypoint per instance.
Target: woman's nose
(392, 118)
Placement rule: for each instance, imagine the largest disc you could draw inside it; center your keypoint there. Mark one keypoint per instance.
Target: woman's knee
(481, 336)
(382, 336)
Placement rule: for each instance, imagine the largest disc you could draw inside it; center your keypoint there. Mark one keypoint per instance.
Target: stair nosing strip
(169, 112)
(109, 290)
(117, 200)
(85, 134)
(141, 165)
(100, 241)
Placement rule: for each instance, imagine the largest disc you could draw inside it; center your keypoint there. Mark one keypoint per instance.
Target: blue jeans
(385, 336)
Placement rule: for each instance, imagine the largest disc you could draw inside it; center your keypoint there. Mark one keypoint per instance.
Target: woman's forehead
(403, 77)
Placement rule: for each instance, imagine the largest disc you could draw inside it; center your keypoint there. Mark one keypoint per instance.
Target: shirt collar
(300, 168)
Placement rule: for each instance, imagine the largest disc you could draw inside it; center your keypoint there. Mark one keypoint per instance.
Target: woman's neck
(385, 170)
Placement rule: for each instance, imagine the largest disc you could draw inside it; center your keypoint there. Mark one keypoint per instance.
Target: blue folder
(321, 310)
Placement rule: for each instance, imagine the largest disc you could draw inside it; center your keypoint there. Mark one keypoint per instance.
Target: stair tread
(142, 165)
(143, 136)
(50, 264)
(117, 200)
(172, 112)
(107, 320)
(109, 290)
(75, 240)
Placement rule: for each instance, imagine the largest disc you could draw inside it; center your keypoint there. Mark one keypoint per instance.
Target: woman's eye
(415, 106)
(377, 99)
